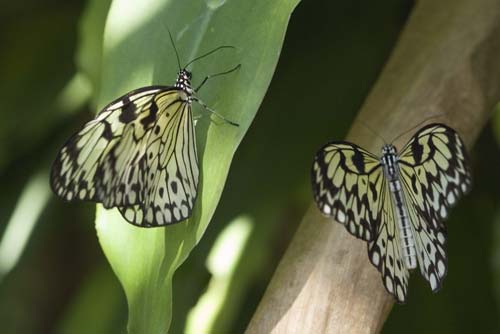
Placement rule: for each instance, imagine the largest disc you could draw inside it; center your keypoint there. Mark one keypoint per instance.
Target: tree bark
(445, 68)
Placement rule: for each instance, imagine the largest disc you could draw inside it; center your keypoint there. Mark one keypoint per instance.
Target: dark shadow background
(333, 53)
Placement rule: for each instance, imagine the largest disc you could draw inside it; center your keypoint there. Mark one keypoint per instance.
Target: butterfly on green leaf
(397, 202)
(138, 155)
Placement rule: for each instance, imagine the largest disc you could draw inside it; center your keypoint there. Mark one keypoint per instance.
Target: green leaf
(137, 52)
(91, 34)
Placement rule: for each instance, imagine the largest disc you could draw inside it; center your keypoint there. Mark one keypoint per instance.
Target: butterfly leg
(196, 119)
(201, 103)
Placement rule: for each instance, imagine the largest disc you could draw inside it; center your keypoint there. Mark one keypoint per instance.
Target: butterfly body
(183, 82)
(398, 202)
(389, 161)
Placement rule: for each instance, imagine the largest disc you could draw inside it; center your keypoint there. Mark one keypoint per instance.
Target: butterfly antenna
(237, 67)
(371, 130)
(209, 53)
(175, 49)
(416, 126)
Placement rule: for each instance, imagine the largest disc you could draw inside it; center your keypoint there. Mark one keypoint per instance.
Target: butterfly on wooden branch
(138, 154)
(397, 202)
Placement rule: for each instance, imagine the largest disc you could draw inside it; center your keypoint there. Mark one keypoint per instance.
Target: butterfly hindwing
(430, 244)
(346, 182)
(171, 179)
(384, 251)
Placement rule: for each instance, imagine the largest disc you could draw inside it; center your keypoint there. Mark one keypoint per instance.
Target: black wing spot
(358, 161)
(173, 185)
(414, 184)
(128, 113)
(107, 133)
(151, 118)
(131, 174)
(428, 248)
(399, 264)
(374, 191)
(417, 151)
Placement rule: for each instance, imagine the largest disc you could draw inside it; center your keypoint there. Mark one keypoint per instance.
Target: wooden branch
(446, 63)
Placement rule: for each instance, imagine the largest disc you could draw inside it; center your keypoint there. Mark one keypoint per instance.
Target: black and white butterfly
(138, 154)
(398, 202)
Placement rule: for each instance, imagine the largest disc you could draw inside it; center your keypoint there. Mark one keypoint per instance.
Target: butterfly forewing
(346, 183)
(77, 172)
(434, 167)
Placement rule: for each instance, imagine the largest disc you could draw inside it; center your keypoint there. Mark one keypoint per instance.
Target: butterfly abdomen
(391, 171)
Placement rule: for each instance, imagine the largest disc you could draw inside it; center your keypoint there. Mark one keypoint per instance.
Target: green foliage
(137, 53)
(34, 71)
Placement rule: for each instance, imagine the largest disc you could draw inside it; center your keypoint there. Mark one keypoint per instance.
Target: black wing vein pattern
(138, 154)
(345, 181)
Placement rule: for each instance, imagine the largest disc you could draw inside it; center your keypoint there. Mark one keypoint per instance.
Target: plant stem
(447, 63)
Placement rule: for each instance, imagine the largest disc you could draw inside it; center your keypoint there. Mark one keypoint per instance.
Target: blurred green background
(53, 274)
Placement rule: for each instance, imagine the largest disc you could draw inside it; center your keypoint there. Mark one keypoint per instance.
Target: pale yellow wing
(139, 153)
(435, 173)
(385, 251)
(347, 181)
